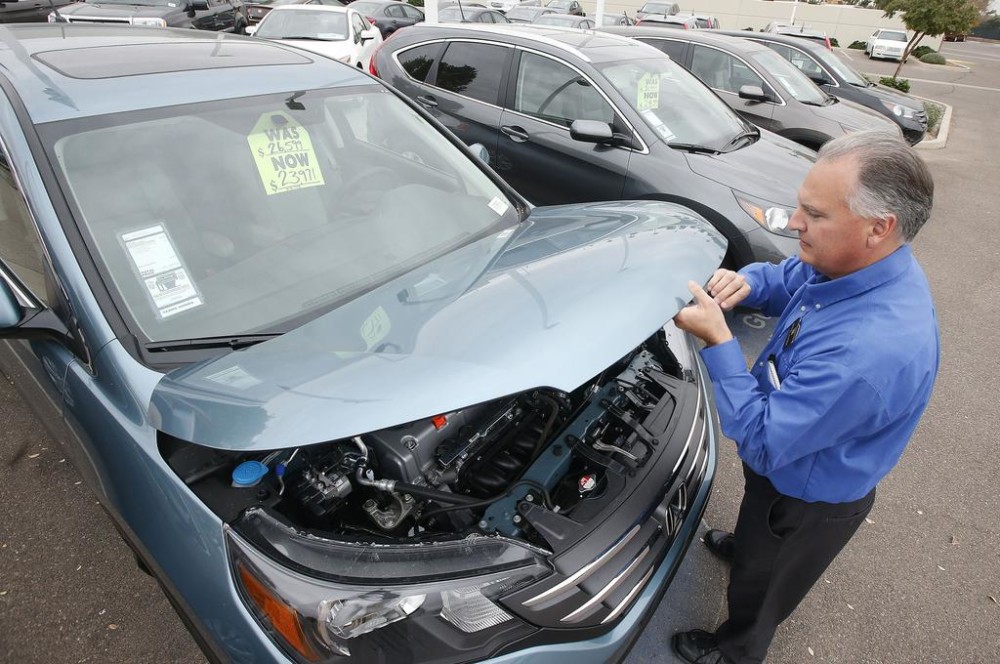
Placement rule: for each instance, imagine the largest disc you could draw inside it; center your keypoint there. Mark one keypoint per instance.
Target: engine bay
(470, 471)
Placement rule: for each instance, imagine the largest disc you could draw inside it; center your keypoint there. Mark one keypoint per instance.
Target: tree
(931, 17)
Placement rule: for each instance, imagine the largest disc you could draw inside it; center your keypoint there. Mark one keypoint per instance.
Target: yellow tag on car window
(284, 154)
(648, 94)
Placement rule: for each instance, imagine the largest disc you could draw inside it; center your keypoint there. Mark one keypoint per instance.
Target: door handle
(427, 101)
(517, 134)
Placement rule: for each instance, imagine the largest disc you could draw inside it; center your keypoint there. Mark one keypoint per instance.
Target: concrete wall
(845, 22)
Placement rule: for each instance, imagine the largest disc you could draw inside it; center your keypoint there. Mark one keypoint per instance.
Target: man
(826, 410)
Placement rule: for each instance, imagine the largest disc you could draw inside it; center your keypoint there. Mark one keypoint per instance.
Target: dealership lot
(914, 586)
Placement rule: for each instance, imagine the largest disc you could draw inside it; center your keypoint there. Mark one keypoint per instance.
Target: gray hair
(892, 179)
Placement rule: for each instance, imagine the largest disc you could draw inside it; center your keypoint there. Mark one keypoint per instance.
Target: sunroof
(163, 57)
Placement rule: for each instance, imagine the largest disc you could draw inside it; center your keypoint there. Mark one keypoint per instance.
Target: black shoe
(697, 647)
(722, 544)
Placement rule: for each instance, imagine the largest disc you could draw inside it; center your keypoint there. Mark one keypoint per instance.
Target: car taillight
(372, 68)
(829, 46)
(371, 19)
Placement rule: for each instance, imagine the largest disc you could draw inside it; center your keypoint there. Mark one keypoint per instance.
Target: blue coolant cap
(248, 473)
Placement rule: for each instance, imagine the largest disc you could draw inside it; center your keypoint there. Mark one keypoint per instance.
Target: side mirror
(753, 93)
(250, 29)
(482, 154)
(591, 131)
(368, 35)
(10, 310)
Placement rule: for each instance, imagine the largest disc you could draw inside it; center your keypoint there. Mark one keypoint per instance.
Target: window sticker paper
(283, 153)
(160, 268)
(648, 92)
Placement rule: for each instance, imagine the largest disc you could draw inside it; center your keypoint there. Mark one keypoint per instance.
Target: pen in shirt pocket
(772, 373)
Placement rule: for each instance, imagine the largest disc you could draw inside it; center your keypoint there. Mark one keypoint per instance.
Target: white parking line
(927, 80)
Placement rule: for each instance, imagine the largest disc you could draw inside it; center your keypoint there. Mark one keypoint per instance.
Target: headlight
(329, 601)
(773, 218)
(150, 22)
(899, 110)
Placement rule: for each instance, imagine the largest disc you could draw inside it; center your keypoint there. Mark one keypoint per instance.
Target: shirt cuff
(725, 359)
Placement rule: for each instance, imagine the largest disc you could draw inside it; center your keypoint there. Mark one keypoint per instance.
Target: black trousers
(783, 546)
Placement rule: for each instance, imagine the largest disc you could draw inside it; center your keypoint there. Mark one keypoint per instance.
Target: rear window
(891, 35)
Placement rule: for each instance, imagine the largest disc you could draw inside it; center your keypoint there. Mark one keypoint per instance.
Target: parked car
(340, 33)
(800, 32)
(467, 14)
(565, 21)
(762, 86)
(217, 15)
(886, 44)
(955, 36)
(570, 116)
(35, 11)
(617, 19)
(527, 14)
(258, 9)
(840, 79)
(566, 7)
(657, 9)
(388, 15)
(349, 394)
(706, 22)
(507, 5)
(678, 21)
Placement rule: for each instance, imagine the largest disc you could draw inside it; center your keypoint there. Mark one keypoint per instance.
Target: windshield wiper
(749, 132)
(232, 342)
(303, 37)
(693, 147)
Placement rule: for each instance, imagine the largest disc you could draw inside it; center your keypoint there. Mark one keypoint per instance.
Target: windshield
(559, 4)
(140, 3)
(844, 70)
(304, 24)
(675, 104)
(790, 78)
(557, 19)
(889, 35)
(256, 215)
(526, 14)
(657, 8)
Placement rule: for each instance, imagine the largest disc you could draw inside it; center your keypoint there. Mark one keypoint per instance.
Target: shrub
(857, 45)
(900, 84)
(934, 59)
(834, 43)
(920, 51)
(416, 3)
(934, 114)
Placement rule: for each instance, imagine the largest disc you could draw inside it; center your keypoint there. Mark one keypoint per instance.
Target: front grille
(603, 588)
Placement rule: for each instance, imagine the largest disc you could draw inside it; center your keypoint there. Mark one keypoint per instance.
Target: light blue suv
(344, 393)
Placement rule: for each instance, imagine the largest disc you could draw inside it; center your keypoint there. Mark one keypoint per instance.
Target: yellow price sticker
(283, 153)
(648, 94)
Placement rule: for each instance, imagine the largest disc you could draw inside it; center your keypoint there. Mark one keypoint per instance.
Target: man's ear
(883, 229)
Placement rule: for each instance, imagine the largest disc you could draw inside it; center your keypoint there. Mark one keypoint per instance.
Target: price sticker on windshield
(648, 94)
(284, 154)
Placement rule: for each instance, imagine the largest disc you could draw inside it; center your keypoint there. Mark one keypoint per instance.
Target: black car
(217, 15)
(259, 8)
(762, 86)
(569, 116)
(841, 80)
(467, 14)
(388, 15)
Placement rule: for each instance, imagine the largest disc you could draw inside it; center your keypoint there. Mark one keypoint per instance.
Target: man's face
(831, 238)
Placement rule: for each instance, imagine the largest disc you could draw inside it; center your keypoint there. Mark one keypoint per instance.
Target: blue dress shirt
(852, 363)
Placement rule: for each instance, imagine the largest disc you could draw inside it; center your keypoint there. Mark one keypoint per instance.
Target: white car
(340, 33)
(506, 5)
(885, 43)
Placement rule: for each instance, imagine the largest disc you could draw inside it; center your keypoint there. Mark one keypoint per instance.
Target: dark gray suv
(569, 116)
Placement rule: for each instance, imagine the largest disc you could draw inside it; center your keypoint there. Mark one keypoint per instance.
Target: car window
(360, 25)
(417, 61)
(473, 70)
(552, 91)
(722, 71)
(312, 24)
(395, 11)
(675, 49)
(20, 245)
(412, 12)
(803, 62)
(313, 199)
(675, 104)
(892, 35)
(791, 80)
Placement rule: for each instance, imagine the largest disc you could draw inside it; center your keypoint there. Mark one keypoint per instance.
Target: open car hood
(549, 303)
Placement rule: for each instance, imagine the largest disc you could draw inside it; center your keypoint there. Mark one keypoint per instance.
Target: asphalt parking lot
(920, 583)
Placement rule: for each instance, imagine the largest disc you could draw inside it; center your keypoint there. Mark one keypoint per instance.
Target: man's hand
(703, 318)
(728, 288)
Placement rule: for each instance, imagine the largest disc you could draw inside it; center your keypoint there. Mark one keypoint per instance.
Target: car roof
(776, 37)
(710, 37)
(62, 71)
(587, 45)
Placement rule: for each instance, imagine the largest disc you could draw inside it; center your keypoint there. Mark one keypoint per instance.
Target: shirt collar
(827, 291)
